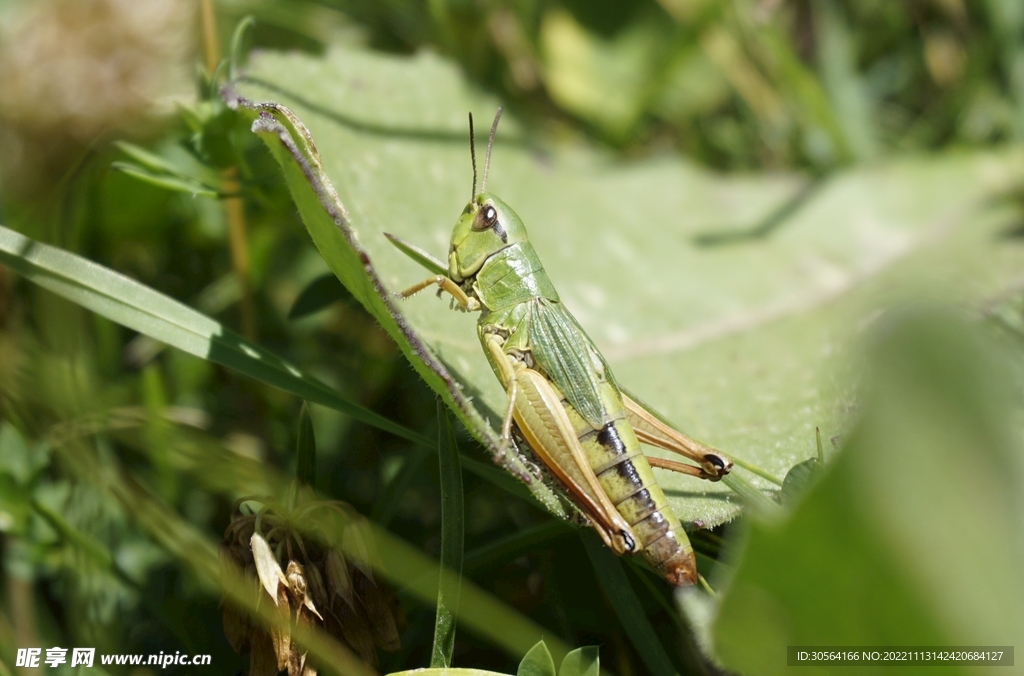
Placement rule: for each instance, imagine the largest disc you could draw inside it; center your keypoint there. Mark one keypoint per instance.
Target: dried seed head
(357, 541)
(318, 587)
(262, 660)
(281, 636)
(267, 567)
(243, 530)
(295, 664)
(229, 564)
(352, 628)
(236, 623)
(317, 590)
(236, 627)
(296, 576)
(339, 582)
(380, 618)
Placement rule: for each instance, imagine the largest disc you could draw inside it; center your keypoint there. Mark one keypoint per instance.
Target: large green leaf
(738, 340)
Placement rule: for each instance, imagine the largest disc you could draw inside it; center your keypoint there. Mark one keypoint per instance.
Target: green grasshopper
(562, 398)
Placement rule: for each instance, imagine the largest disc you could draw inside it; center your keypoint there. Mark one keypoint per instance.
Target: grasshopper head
(487, 225)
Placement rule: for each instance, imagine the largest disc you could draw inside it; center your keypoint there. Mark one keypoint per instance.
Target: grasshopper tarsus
(501, 458)
(716, 465)
(466, 303)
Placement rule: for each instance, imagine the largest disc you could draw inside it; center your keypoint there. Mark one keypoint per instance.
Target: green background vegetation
(771, 216)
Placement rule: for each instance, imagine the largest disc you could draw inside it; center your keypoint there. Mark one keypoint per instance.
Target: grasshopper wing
(567, 355)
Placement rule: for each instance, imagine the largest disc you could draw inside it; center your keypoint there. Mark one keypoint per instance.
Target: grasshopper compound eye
(487, 218)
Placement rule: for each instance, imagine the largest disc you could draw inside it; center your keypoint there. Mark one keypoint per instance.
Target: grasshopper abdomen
(616, 458)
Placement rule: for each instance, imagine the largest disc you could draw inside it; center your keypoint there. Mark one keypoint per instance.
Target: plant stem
(234, 207)
(452, 536)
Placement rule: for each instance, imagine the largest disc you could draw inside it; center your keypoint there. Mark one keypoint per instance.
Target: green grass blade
(387, 506)
(752, 497)
(419, 255)
(516, 544)
(453, 522)
(166, 181)
(220, 470)
(139, 307)
(838, 61)
(627, 606)
(237, 42)
(489, 472)
(305, 449)
(147, 159)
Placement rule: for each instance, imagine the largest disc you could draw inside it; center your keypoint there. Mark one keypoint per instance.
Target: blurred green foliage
(913, 536)
(806, 85)
(813, 84)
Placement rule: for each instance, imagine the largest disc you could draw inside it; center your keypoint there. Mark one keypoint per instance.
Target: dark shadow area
(767, 225)
(460, 137)
(1014, 199)
(727, 498)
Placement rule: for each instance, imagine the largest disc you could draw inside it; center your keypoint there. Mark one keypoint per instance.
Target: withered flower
(310, 582)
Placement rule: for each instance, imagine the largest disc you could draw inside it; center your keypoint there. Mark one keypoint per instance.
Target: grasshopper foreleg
(465, 301)
(507, 371)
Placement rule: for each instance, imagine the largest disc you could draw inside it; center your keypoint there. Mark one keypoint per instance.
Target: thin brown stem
(238, 239)
(211, 50)
(21, 597)
(234, 207)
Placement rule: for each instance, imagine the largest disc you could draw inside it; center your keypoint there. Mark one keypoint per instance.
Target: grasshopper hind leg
(689, 470)
(712, 464)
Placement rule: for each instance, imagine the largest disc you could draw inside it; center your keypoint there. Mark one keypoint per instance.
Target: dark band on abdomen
(627, 472)
(637, 507)
(609, 437)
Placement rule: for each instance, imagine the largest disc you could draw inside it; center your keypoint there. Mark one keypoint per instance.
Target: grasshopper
(563, 400)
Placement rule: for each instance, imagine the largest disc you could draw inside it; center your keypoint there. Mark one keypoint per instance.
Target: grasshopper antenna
(472, 155)
(490, 145)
